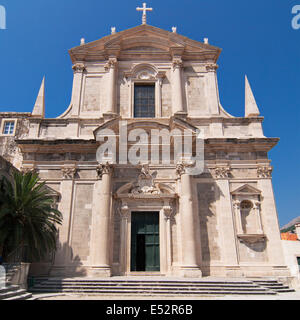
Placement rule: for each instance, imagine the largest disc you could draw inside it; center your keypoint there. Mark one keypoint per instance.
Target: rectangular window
(144, 101)
(9, 127)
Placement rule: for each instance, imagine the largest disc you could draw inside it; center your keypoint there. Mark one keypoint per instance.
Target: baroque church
(151, 218)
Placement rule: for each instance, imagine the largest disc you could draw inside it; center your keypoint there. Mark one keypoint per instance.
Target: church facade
(152, 216)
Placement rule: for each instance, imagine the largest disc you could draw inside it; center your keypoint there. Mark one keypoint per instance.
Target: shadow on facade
(61, 264)
(208, 193)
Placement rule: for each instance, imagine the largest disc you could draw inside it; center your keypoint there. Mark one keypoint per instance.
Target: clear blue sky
(256, 37)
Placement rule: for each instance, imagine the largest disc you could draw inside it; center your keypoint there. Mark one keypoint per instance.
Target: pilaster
(189, 266)
(100, 238)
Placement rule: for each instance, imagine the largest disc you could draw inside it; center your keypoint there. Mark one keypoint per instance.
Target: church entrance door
(145, 253)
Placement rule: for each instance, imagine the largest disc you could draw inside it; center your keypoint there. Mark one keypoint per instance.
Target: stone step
(25, 296)
(275, 286)
(169, 285)
(12, 294)
(147, 288)
(161, 292)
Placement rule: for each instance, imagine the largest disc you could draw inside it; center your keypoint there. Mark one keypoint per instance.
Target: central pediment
(147, 40)
(173, 123)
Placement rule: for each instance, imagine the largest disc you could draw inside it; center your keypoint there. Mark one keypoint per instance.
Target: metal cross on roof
(144, 9)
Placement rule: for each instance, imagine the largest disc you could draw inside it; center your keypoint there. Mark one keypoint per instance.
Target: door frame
(156, 205)
(143, 212)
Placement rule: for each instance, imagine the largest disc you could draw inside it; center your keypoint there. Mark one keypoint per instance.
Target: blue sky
(256, 36)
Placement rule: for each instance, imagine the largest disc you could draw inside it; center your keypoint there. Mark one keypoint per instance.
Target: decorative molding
(180, 169)
(252, 238)
(237, 204)
(145, 183)
(177, 63)
(124, 211)
(222, 172)
(264, 171)
(212, 67)
(27, 169)
(168, 210)
(111, 64)
(68, 173)
(78, 67)
(104, 168)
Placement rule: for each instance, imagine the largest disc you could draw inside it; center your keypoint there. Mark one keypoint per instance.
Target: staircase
(9, 291)
(274, 286)
(14, 293)
(158, 287)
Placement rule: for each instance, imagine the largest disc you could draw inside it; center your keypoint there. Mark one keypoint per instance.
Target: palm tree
(28, 218)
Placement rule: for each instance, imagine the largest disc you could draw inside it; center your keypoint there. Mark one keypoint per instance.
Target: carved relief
(111, 64)
(145, 183)
(212, 67)
(177, 63)
(29, 169)
(104, 168)
(264, 171)
(78, 67)
(222, 172)
(69, 173)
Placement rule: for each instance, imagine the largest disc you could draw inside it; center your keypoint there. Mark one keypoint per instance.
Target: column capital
(212, 67)
(264, 171)
(78, 67)
(168, 210)
(124, 211)
(177, 63)
(237, 204)
(222, 172)
(111, 63)
(68, 172)
(104, 168)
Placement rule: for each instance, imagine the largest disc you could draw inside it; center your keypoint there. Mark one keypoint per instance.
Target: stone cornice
(167, 44)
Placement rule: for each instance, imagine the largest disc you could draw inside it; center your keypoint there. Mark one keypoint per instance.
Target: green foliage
(27, 216)
(291, 229)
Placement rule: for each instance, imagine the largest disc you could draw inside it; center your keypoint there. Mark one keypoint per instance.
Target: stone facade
(222, 222)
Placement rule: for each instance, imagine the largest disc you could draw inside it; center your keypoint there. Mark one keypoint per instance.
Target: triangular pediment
(146, 39)
(246, 189)
(147, 125)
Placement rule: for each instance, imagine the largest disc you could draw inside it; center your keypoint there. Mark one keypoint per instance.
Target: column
(189, 266)
(212, 91)
(237, 211)
(100, 238)
(177, 87)
(111, 67)
(124, 212)
(78, 69)
(258, 217)
(168, 213)
(226, 216)
(63, 253)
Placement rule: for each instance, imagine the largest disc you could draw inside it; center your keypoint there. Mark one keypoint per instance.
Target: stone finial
(82, 41)
(39, 106)
(206, 40)
(251, 108)
(174, 29)
(113, 30)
